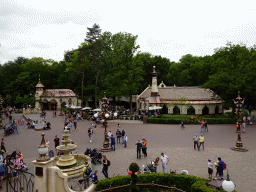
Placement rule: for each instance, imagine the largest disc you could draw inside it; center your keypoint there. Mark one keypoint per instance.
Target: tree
(93, 52)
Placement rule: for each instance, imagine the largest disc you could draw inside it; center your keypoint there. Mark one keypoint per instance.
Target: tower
(39, 91)
(154, 91)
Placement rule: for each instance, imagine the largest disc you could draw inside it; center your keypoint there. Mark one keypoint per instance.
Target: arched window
(217, 109)
(205, 111)
(191, 111)
(176, 110)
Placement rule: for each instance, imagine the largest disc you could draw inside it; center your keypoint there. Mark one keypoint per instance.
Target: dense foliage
(184, 182)
(112, 63)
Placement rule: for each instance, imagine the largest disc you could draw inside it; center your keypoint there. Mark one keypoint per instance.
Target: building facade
(54, 99)
(179, 100)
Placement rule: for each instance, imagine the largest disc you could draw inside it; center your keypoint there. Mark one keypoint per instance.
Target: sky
(169, 28)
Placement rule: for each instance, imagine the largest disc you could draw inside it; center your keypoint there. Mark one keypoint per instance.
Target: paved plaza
(175, 142)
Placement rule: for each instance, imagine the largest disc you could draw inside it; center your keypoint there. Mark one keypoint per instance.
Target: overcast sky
(170, 28)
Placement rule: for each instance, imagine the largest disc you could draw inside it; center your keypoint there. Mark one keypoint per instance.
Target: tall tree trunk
(96, 85)
(131, 104)
(83, 90)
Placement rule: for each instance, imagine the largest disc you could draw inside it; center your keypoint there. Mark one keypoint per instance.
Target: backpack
(108, 163)
(88, 170)
(224, 166)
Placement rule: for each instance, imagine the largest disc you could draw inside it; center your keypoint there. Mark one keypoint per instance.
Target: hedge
(176, 119)
(183, 182)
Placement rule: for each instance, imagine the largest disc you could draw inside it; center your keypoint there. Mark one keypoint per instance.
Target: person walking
(123, 135)
(125, 140)
(144, 147)
(75, 124)
(182, 123)
(118, 136)
(201, 141)
(164, 159)
(105, 163)
(139, 147)
(244, 127)
(205, 126)
(2, 170)
(90, 133)
(202, 126)
(3, 143)
(196, 138)
(56, 141)
(113, 142)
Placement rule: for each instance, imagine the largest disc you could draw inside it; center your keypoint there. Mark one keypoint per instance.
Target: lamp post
(228, 185)
(105, 115)
(61, 105)
(42, 150)
(239, 144)
(1, 108)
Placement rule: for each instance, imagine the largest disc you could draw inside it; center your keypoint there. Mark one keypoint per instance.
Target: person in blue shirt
(2, 169)
(94, 177)
(220, 168)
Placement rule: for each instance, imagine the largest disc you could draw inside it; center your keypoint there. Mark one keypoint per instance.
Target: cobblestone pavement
(175, 142)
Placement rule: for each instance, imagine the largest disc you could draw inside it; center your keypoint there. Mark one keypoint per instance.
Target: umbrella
(155, 108)
(86, 108)
(98, 109)
(75, 107)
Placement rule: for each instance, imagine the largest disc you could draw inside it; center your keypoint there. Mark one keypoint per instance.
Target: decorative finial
(154, 69)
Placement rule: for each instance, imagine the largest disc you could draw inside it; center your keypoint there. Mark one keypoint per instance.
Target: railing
(152, 186)
(24, 180)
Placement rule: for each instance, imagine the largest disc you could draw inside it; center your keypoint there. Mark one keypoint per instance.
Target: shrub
(183, 182)
(65, 110)
(19, 111)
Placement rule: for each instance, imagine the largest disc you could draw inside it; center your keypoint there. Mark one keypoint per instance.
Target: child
(210, 168)
(94, 177)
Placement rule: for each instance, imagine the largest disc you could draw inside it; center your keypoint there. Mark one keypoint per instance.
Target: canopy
(98, 109)
(155, 108)
(86, 108)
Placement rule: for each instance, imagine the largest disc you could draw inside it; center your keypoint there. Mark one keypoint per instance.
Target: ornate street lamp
(1, 108)
(228, 185)
(60, 104)
(239, 144)
(42, 150)
(105, 115)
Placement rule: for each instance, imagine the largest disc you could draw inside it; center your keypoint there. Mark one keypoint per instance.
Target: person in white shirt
(210, 168)
(164, 159)
(125, 140)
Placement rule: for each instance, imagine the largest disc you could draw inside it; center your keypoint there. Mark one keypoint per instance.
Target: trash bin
(145, 119)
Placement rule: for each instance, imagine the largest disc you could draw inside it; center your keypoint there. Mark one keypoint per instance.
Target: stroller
(48, 125)
(8, 130)
(95, 155)
(150, 168)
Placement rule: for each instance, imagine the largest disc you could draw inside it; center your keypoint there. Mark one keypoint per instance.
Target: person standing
(125, 140)
(164, 159)
(86, 175)
(210, 168)
(105, 166)
(249, 120)
(205, 126)
(3, 143)
(123, 135)
(118, 135)
(139, 147)
(113, 142)
(94, 177)
(56, 141)
(220, 166)
(2, 170)
(144, 147)
(201, 141)
(196, 138)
